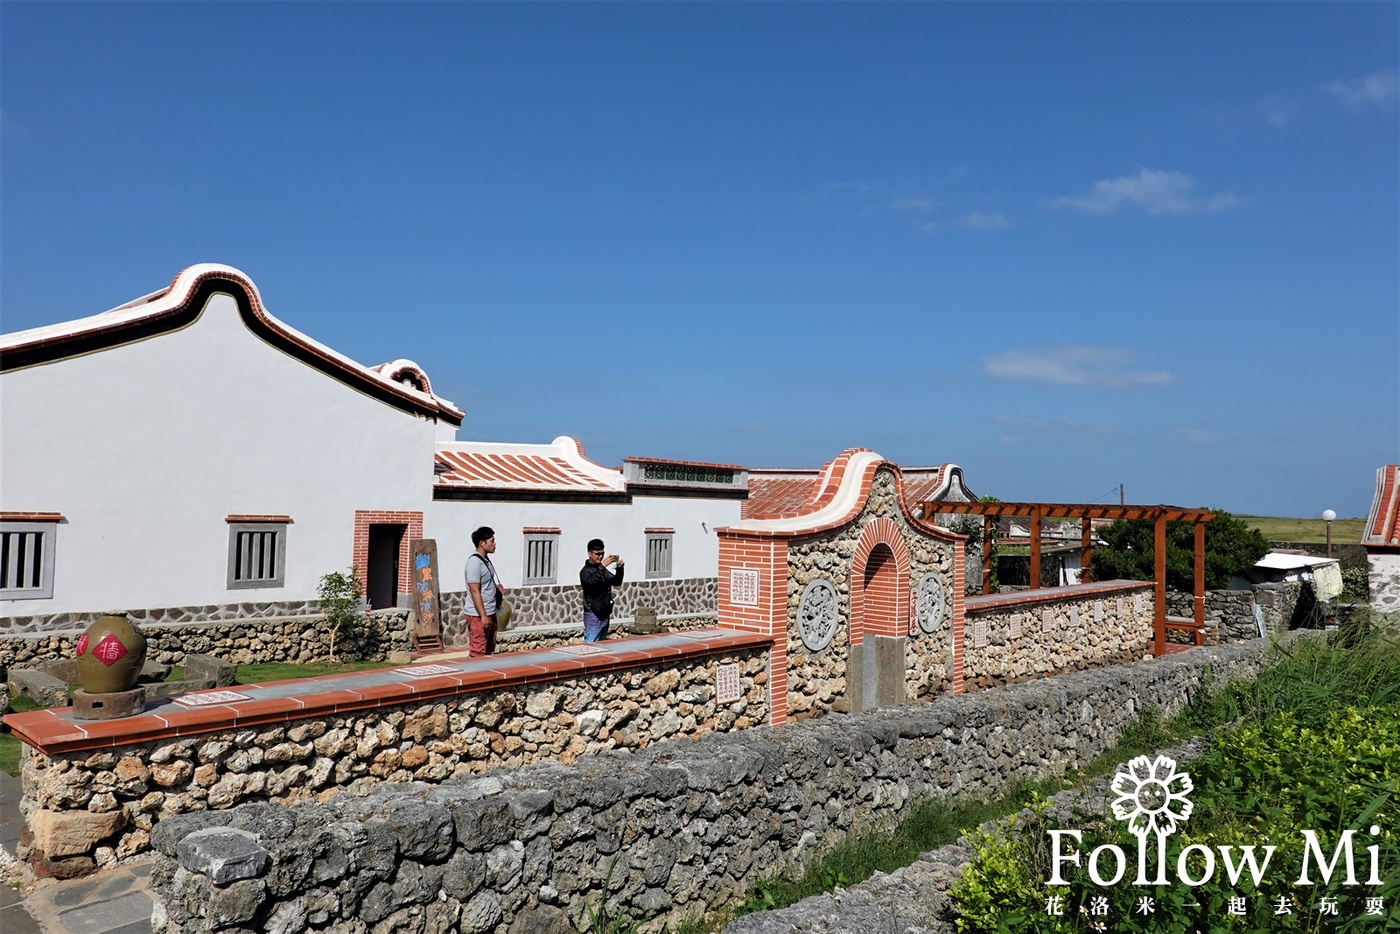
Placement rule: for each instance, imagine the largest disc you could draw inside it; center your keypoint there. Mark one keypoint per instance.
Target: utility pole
(1120, 494)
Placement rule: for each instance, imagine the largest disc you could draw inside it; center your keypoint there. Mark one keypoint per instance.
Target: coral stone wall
(817, 680)
(1010, 638)
(91, 808)
(661, 835)
(63, 622)
(561, 604)
(384, 635)
(1229, 614)
(1383, 578)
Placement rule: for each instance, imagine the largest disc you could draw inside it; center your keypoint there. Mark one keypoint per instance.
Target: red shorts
(481, 635)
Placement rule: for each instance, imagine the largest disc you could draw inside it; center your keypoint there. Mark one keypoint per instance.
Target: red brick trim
(31, 517)
(662, 460)
(659, 531)
(359, 558)
(265, 519)
(539, 530)
(880, 604)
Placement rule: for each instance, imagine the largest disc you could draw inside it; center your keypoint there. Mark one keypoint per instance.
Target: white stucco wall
(145, 448)
(695, 549)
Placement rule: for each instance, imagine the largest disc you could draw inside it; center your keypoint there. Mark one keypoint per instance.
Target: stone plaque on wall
(1046, 622)
(979, 634)
(743, 586)
(1098, 611)
(932, 606)
(1120, 607)
(1073, 615)
(1015, 625)
(818, 615)
(727, 684)
(1137, 603)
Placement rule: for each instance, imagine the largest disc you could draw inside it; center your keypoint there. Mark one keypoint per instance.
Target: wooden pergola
(1085, 512)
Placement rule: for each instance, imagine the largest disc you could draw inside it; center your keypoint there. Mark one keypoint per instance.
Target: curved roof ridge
(181, 304)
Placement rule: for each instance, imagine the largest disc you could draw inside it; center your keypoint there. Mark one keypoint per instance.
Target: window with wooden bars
(659, 554)
(27, 560)
(257, 555)
(541, 558)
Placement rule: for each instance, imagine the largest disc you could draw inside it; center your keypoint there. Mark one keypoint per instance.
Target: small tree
(1232, 547)
(340, 593)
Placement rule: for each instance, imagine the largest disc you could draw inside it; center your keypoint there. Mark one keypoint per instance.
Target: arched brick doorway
(875, 674)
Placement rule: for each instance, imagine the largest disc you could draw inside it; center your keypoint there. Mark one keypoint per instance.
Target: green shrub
(340, 593)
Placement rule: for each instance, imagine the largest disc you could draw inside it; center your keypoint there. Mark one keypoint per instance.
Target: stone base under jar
(108, 706)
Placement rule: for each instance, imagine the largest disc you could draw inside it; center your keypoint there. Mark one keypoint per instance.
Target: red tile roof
(556, 467)
(1383, 523)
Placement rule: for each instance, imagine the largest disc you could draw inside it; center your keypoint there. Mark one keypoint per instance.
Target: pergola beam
(1159, 516)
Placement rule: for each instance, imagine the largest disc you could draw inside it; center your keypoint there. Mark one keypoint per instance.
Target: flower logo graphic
(1152, 796)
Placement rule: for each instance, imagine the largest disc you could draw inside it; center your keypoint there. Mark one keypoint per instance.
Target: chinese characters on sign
(426, 591)
(727, 684)
(743, 586)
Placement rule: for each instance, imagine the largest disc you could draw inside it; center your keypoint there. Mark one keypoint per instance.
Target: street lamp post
(1327, 516)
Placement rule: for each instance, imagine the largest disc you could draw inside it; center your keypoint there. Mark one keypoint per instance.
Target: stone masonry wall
(383, 636)
(62, 622)
(1229, 614)
(1004, 645)
(660, 835)
(561, 604)
(817, 680)
(89, 808)
(1383, 576)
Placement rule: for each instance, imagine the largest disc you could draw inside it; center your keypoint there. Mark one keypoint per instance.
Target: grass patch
(1307, 530)
(285, 671)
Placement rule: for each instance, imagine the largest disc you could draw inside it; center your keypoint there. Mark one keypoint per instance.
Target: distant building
(1381, 538)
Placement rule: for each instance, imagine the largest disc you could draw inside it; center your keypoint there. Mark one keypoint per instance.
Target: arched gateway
(857, 590)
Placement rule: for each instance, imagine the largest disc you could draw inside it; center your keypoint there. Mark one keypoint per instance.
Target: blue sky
(1064, 245)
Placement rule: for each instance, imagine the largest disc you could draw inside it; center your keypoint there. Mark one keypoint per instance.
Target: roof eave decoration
(181, 305)
(1383, 522)
(842, 491)
(480, 469)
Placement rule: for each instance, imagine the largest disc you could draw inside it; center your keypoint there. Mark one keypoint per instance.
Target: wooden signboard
(427, 625)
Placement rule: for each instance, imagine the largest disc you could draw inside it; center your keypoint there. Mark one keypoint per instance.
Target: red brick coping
(1019, 598)
(55, 730)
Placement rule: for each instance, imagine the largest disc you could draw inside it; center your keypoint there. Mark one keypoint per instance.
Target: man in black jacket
(598, 583)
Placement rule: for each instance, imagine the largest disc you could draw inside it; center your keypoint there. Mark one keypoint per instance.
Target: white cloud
(1278, 111)
(1375, 90)
(905, 203)
(1052, 431)
(1152, 190)
(985, 220)
(1074, 365)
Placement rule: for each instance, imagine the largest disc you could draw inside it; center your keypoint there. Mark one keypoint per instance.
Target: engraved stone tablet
(1045, 621)
(1137, 603)
(425, 670)
(209, 698)
(1015, 625)
(727, 684)
(743, 586)
(581, 649)
(818, 615)
(1120, 607)
(1073, 614)
(979, 634)
(1098, 611)
(932, 605)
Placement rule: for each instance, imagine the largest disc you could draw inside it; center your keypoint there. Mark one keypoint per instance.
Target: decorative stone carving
(932, 607)
(818, 615)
